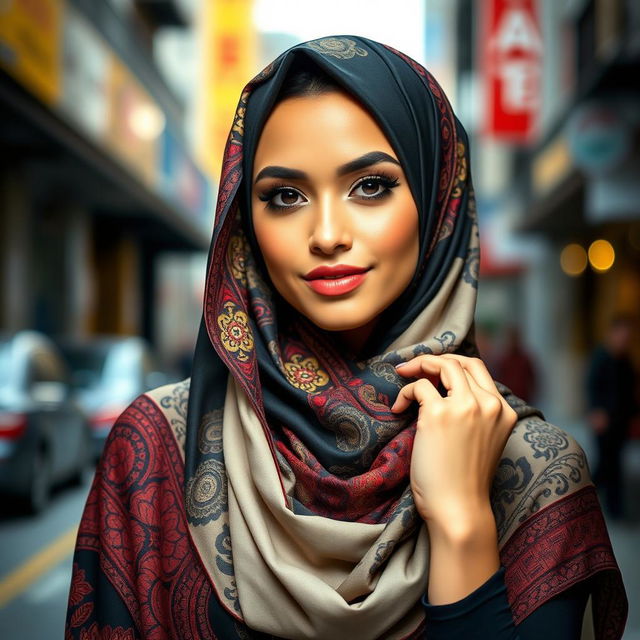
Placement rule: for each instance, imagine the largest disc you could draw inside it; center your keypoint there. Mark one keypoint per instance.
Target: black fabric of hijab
(413, 121)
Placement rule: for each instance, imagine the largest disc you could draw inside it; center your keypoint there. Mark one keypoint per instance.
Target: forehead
(330, 127)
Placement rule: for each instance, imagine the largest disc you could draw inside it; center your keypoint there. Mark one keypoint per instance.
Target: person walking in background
(611, 401)
(514, 366)
(485, 333)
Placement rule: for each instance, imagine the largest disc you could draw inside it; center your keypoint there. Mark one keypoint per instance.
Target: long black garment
(610, 386)
(484, 614)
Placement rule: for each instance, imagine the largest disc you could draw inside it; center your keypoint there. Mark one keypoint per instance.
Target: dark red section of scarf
(370, 497)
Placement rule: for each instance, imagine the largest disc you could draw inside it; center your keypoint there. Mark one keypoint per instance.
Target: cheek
(397, 237)
(275, 241)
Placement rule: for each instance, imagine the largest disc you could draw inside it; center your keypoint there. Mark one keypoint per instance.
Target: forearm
(463, 555)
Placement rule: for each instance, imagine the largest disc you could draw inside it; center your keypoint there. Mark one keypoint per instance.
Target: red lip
(334, 270)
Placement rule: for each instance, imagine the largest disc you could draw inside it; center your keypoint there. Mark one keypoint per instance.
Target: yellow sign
(551, 165)
(30, 39)
(228, 63)
(134, 122)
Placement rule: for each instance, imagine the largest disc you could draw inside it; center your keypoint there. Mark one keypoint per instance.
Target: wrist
(462, 556)
(464, 524)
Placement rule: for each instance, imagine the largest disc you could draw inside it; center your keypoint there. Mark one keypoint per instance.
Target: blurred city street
(114, 115)
(35, 575)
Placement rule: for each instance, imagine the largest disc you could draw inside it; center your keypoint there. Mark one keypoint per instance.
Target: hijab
(296, 486)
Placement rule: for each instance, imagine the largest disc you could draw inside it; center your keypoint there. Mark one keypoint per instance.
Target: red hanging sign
(511, 67)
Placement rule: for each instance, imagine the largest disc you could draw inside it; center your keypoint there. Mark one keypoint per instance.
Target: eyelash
(381, 178)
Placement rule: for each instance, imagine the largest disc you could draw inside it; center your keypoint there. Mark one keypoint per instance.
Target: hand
(599, 420)
(459, 438)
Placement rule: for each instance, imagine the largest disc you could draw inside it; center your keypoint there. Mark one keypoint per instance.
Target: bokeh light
(601, 255)
(573, 259)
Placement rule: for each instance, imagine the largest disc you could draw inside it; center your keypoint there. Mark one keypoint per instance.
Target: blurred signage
(85, 64)
(551, 165)
(614, 196)
(602, 140)
(134, 121)
(511, 59)
(58, 54)
(180, 180)
(228, 63)
(30, 44)
(600, 137)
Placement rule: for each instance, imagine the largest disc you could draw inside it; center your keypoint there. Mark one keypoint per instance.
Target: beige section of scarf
(451, 310)
(300, 576)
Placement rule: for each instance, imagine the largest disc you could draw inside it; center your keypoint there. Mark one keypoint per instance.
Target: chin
(334, 321)
(337, 316)
(337, 326)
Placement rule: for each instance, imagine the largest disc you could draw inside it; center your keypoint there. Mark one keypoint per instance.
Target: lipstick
(337, 286)
(334, 280)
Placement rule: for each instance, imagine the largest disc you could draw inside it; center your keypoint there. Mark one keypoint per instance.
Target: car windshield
(123, 363)
(86, 365)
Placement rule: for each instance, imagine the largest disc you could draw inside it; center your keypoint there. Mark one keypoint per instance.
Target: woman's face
(328, 189)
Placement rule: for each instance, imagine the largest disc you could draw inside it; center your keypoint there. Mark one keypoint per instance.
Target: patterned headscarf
(296, 471)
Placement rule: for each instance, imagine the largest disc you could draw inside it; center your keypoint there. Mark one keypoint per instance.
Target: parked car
(44, 433)
(107, 373)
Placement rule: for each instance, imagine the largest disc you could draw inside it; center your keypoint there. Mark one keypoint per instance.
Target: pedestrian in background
(514, 366)
(612, 402)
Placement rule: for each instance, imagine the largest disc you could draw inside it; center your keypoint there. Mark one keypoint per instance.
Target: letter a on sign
(511, 65)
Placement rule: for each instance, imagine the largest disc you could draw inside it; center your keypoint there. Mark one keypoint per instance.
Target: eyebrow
(366, 160)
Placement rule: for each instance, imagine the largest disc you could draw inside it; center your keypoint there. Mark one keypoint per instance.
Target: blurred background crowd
(113, 119)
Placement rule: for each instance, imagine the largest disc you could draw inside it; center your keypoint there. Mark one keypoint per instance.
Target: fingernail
(400, 364)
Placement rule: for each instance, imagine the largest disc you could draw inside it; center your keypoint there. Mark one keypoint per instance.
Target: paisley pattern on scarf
(206, 492)
(177, 403)
(342, 48)
(167, 595)
(210, 440)
(279, 505)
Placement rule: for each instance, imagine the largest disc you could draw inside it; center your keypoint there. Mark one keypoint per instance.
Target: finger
(412, 369)
(484, 397)
(423, 391)
(450, 370)
(452, 376)
(478, 369)
(480, 374)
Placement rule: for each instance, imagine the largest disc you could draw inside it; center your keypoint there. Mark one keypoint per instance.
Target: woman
(298, 485)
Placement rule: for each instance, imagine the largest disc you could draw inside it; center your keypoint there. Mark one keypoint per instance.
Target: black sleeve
(485, 614)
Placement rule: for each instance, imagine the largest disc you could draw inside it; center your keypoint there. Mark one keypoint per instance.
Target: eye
(374, 187)
(281, 197)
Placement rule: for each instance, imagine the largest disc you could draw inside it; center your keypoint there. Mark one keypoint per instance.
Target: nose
(330, 228)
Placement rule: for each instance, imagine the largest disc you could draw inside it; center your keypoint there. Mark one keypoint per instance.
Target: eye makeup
(381, 178)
